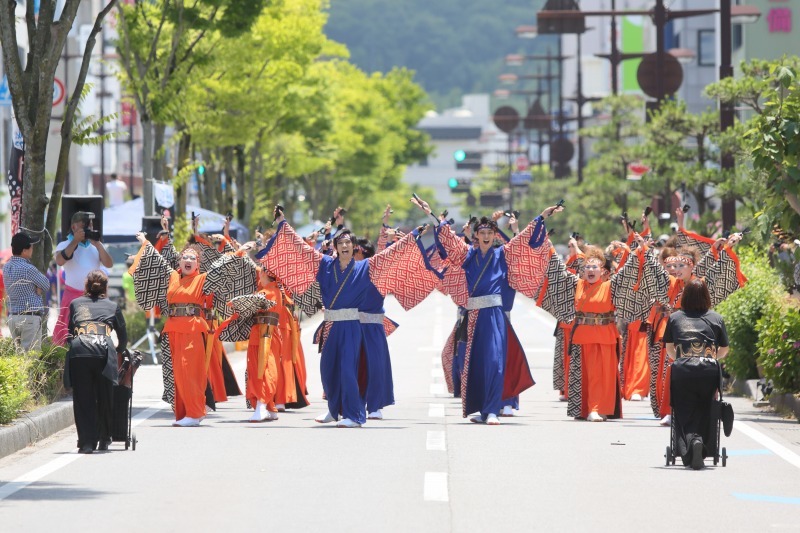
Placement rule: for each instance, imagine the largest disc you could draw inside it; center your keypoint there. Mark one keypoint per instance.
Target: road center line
(436, 487)
(36, 474)
(782, 451)
(436, 410)
(436, 441)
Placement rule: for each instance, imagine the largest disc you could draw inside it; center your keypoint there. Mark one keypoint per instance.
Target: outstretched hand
(422, 205)
(141, 237)
(278, 213)
(550, 211)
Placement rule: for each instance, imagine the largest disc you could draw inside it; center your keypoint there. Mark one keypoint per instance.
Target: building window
(706, 48)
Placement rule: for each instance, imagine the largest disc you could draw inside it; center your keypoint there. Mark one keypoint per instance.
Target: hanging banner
(16, 168)
(164, 194)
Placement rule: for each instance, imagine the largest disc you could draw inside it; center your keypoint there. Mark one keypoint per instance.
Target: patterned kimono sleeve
(450, 245)
(229, 277)
(690, 238)
(527, 257)
(208, 252)
(451, 276)
(557, 295)
(166, 248)
(401, 270)
(632, 287)
(723, 275)
(558, 290)
(151, 274)
(291, 259)
(654, 277)
(310, 302)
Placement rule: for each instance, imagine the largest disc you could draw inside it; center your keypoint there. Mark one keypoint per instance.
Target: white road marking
(438, 389)
(779, 449)
(56, 464)
(436, 487)
(430, 349)
(436, 361)
(436, 410)
(437, 373)
(436, 441)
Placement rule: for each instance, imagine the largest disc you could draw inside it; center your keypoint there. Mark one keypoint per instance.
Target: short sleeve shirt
(84, 260)
(696, 334)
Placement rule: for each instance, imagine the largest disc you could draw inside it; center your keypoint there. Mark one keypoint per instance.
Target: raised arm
(401, 270)
(151, 273)
(724, 274)
(290, 257)
(527, 255)
(557, 295)
(633, 287)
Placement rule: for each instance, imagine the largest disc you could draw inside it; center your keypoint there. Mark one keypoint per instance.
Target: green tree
(30, 81)
(160, 44)
(771, 137)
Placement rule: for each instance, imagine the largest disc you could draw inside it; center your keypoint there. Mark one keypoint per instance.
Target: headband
(483, 226)
(684, 259)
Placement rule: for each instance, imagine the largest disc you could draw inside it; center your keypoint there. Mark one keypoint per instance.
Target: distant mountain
(455, 46)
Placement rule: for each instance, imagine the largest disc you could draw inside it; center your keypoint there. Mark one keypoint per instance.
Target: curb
(786, 402)
(33, 427)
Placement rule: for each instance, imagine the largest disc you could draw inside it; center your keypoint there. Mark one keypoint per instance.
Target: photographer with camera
(78, 255)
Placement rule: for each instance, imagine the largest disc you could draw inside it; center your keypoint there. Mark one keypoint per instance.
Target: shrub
(45, 374)
(136, 324)
(14, 393)
(745, 307)
(779, 344)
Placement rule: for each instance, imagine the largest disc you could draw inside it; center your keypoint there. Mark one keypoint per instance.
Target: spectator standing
(77, 256)
(25, 286)
(115, 190)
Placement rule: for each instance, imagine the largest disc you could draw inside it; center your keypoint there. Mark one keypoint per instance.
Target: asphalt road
(424, 468)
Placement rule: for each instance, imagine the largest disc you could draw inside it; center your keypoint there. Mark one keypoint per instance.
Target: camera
(92, 235)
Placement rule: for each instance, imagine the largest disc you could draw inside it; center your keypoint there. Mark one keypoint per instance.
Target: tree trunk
(147, 166)
(240, 183)
(159, 151)
(181, 188)
(219, 194)
(228, 166)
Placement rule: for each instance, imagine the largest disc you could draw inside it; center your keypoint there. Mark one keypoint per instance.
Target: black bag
(726, 415)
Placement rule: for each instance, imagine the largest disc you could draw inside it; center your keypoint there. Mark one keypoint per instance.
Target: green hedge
(29, 379)
(745, 307)
(14, 394)
(779, 345)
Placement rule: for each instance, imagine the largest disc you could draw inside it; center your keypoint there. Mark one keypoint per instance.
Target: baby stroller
(122, 408)
(696, 414)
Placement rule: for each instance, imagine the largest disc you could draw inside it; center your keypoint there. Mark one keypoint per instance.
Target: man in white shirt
(116, 189)
(78, 255)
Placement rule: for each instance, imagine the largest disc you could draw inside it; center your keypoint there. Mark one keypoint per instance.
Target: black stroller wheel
(724, 457)
(127, 443)
(669, 456)
(133, 442)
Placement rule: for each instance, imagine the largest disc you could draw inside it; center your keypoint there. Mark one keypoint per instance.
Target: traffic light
(467, 160)
(459, 185)
(201, 169)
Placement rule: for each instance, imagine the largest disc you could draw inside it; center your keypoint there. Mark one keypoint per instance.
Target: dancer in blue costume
(375, 327)
(344, 284)
(495, 368)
